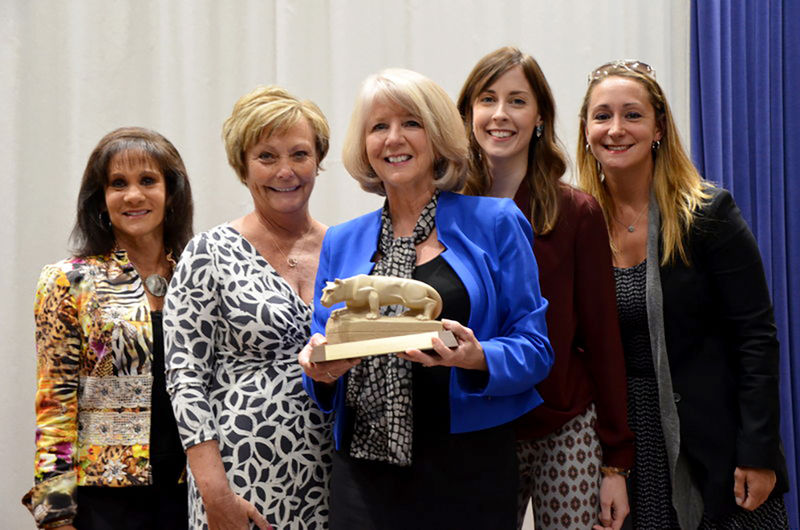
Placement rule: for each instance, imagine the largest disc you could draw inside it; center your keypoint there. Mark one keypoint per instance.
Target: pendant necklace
(156, 285)
(631, 227)
(266, 224)
(292, 262)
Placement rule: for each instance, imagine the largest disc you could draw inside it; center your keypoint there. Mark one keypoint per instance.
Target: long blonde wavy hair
(679, 189)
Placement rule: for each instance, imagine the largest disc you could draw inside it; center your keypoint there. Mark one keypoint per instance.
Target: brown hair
(92, 234)
(546, 160)
(678, 187)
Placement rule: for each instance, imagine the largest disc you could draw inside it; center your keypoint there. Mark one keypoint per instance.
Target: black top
(431, 386)
(634, 327)
(465, 480)
(167, 458)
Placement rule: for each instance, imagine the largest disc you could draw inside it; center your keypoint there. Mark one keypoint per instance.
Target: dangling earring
(655, 145)
(539, 130)
(600, 171)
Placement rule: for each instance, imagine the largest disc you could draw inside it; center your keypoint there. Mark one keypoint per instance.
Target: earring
(539, 130)
(600, 171)
(103, 219)
(655, 145)
(587, 146)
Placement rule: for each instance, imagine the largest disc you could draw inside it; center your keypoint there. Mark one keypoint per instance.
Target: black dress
(455, 481)
(649, 487)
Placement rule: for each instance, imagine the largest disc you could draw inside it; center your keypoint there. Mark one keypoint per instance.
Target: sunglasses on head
(622, 64)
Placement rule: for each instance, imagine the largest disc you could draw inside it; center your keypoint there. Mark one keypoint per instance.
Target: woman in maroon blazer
(574, 449)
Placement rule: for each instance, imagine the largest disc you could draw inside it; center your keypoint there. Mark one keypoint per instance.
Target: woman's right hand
(327, 372)
(224, 509)
(231, 512)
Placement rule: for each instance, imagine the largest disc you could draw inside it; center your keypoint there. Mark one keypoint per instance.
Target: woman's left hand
(752, 486)
(468, 354)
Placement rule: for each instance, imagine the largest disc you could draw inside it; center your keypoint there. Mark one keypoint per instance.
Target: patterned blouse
(93, 347)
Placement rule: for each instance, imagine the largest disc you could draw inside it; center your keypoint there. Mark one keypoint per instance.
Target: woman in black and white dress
(237, 314)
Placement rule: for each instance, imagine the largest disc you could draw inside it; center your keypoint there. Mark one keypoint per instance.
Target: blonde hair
(546, 161)
(678, 187)
(429, 103)
(266, 110)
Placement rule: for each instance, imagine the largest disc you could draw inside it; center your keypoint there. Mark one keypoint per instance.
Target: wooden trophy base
(352, 336)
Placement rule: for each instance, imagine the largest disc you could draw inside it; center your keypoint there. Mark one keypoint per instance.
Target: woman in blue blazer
(423, 439)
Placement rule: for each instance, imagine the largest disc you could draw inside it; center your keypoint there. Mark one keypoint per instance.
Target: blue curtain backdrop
(746, 137)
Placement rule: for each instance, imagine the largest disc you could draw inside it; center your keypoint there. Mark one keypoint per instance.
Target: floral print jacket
(94, 350)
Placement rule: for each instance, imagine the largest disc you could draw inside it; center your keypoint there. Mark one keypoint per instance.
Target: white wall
(72, 71)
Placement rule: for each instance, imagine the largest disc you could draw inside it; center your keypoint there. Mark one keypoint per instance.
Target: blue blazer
(488, 244)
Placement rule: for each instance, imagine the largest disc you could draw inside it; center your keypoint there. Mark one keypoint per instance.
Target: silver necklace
(631, 227)
(156, 285)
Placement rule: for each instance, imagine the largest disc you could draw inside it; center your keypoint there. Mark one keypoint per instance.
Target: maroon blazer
(575, 276)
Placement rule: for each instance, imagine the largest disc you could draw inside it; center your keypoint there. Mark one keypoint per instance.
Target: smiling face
(621, 126)
(398, 150)
(281, 170)
(504, 116)
(136, 196)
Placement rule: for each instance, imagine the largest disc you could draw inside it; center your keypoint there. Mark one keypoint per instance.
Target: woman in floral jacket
(107, 451)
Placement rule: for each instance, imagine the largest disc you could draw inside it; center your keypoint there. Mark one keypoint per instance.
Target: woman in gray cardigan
(695, 315)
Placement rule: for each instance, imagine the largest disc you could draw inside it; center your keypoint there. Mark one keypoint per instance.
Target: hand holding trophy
(359, 330)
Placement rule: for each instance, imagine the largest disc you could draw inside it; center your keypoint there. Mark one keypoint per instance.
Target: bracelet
(609, 471)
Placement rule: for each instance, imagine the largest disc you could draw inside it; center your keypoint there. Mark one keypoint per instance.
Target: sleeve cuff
(52, 502)
(765, 456)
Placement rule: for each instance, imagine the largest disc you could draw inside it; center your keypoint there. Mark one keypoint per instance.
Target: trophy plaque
(359, 329)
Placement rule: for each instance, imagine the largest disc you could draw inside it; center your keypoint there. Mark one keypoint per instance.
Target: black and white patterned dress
(649, 489)
(233, 329)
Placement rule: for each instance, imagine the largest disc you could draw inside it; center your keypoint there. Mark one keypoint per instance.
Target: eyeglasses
(622, 64)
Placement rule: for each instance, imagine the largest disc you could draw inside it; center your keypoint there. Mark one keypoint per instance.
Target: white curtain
(70, 71)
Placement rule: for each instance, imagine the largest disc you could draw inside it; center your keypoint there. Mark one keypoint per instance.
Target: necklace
(156, 285)
(267, 225)
(292, 262)
(631, 227)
